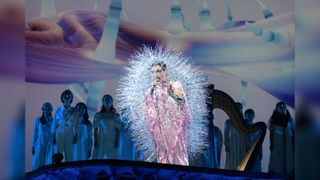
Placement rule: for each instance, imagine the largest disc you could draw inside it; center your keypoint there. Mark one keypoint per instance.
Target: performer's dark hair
(161, 64)
(42, 119)
(250, 111)
(239, 104)
(280, 103)
(65, 92)
(86, 115)
(103, 108)
(278, 119)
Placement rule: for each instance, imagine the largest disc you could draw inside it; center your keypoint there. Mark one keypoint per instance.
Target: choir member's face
(67, 99)
(158, 73)
(249, 117)
(282, 108)
(81, 109)
(107, 102)
(47, 109)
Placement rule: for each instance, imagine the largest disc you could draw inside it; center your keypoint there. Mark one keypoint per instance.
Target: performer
(236, 144)
(249, 116)
(166, 105)
(126, 148)
(41, 141)
(65, 126)
(281, 128)
(83, 147)
(168, 117)
(106, 126)
(218, 140)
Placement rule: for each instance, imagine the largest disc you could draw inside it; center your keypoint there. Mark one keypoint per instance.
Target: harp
(221, 100)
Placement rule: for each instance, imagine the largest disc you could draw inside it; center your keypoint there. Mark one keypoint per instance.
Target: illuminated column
(105, 52)
(266, 12)
(106, 49)
(229, 15)
(176, 22)
(48, 9)
(244, 92)
(96, 4)
(205, 16)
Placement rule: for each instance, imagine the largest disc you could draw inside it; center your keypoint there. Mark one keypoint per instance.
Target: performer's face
(158, 73)
(282, 108)
(67, 99)
(81, 109)
(249, 117)
(107, 102)
(47, 109)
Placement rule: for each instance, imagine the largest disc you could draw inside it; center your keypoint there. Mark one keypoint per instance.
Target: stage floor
(122, 169)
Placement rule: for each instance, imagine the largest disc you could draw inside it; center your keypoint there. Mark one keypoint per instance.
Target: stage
(122, 169)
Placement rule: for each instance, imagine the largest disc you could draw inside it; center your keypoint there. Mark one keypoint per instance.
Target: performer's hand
(154, 83)
(33, 150)
(153, 86)
(53, 136)
(75, 139)
(89, 154)
(170, 90)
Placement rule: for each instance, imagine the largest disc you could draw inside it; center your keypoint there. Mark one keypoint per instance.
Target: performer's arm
(56, 119)
(291, 129)
(95, 134)
(220, 143)
(75, 118)
(89, 139)
(226, 135)
(177, 93)
(271, 135)
(117, 128)
(35, 135)
(151, 89)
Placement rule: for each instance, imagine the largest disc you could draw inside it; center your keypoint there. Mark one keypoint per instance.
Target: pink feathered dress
(168, 121)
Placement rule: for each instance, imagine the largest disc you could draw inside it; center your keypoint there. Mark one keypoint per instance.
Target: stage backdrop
(245, 48)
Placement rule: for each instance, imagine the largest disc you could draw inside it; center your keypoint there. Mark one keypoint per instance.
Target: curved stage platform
(122, 169)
